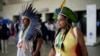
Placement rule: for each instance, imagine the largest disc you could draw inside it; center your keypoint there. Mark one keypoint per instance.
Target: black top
(39, 35)
(4, 32)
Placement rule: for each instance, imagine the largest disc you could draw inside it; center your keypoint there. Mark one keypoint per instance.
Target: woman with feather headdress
(69, 40)
(29, 37)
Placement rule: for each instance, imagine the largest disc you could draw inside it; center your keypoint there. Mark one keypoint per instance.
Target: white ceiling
(1, 5)
(8, 2)
(16, 1)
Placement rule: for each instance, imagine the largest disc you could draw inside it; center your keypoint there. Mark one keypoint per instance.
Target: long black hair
(69, 25)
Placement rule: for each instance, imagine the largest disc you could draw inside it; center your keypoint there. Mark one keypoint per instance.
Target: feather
(31, 12)
(62, 5)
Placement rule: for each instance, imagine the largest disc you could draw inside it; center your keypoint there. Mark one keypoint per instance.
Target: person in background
(0, 34)
(12, 29)
(44, 31)
(51, 29)
(69, 40)
(0, 30)
(5, 34)
(17, 27)
(29, 36)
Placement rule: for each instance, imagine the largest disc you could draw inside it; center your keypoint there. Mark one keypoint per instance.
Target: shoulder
(80, 36)
(77, 32)
(39, 33)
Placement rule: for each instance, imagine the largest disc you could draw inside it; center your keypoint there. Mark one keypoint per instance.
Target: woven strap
(75, 32)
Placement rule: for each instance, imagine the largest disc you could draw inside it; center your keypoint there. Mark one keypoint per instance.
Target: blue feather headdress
(32, 14)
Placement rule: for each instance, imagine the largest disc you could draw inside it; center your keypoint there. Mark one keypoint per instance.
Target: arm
(82, 43)
(38, 46)
(52, 52)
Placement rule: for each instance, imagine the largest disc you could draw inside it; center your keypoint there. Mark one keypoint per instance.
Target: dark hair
(66, 31)
(4, 26)
(50, 19)
(68, 20)
(64, 35)
(28, 19)
(62, 45)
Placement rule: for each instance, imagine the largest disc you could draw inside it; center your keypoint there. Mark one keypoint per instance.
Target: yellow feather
(62, 5)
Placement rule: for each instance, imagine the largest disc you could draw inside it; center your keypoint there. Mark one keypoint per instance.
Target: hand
(19, 45)
(35, 54)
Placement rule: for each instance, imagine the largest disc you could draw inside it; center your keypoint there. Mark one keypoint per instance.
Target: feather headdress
(32, 14)
(66, 12)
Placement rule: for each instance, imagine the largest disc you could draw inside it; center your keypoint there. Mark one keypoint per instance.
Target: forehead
(25, 18)
(60, 17)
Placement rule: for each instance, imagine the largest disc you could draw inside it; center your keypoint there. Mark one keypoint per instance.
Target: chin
(23, 25)
(58, 27)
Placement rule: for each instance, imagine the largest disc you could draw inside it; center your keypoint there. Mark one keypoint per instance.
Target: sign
(44, 10)
(91, 24)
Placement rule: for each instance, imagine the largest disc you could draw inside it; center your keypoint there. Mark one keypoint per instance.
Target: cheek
(24, 22)
(61, 24)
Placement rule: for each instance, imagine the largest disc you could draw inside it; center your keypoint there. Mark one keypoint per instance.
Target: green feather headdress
(66, 12)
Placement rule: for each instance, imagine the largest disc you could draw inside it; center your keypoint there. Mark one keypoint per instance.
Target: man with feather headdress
(29, 37)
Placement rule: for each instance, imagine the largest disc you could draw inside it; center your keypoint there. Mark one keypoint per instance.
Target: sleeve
(53, 46)
(8, 32)
(39, 34)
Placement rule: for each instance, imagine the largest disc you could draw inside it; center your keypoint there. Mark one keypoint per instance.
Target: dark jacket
(44, 30)
(5, 32)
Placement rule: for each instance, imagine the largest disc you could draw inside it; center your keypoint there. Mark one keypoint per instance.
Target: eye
(61, 20)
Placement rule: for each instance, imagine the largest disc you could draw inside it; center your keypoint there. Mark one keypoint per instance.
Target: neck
(24, 27)
(63, 29)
